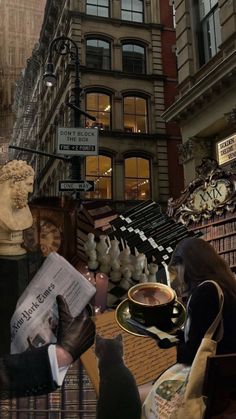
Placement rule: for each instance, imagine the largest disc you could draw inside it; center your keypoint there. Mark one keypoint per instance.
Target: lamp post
(63, 45)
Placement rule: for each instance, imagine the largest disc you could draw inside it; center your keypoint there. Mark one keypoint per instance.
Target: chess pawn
(105, 264)
(115, 273)
(114, 250)
(93, 262)
(143, 278)
(102, 247)
(90, 244)
(153, 268)
(125, 256)
(126, 281)
(138, 266)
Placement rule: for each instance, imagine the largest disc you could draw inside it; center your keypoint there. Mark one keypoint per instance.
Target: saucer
(122, 314)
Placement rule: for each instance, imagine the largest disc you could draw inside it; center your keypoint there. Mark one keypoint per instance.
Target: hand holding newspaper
(36, 315)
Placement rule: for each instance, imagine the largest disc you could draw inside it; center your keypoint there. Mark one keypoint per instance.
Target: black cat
(118, 393)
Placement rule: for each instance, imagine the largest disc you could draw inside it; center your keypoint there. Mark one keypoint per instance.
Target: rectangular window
(210, 30)
(98, 8)
(132, 10)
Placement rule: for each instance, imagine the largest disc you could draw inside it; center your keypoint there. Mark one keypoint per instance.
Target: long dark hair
(201, 262)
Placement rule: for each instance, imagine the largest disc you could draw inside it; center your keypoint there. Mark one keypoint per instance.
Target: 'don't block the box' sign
(226, 150)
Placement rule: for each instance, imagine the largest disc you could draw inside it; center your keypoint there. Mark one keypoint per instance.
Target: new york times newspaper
(36, 316)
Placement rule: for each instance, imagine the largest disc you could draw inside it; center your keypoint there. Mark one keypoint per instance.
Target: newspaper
(36, 316)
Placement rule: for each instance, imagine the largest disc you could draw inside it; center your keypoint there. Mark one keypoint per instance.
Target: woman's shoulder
(204, 292)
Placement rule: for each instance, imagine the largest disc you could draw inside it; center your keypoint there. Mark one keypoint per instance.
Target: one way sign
(73, 185)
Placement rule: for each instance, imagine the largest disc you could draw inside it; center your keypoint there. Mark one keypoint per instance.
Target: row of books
(76, 398)
(215, 231)
(225, 244)
(146, 229)
(230, 258)
(93, 217)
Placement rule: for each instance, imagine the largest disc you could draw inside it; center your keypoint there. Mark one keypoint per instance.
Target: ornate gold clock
(54, 226)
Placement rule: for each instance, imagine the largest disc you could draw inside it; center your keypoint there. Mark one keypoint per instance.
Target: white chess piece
(93, 262)
(126, 281)
(115, 273)
(139, 264)
(153, 268)
(114, 250)
(102, 247)
(105, 264)
(90, 244)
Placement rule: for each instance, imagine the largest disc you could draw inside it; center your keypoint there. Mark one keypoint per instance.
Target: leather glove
(75, 334)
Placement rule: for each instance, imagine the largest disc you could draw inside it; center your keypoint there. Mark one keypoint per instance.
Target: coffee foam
(152, 296)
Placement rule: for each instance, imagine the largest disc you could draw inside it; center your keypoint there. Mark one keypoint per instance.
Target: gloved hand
(74, 334)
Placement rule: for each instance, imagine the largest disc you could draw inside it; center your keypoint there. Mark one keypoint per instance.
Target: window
(98, 54)
(97, 7)
(135, 114)
(133, 57)
(99, 169)
(137, 178)
(132, 10)
(99, 105)
(209, 31)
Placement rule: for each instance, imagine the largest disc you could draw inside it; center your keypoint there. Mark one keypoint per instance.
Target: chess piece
(115, 273)
(105, 264)
(126, 281)
(92, 261)
(102, 247)
(153, 268)
(139, 264)
(114, 250)
(90, 244)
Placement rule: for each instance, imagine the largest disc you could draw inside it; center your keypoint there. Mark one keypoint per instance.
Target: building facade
(205, 106)
(20, 24)
(127, 76)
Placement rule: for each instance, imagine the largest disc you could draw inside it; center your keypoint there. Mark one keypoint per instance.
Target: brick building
(128, 77)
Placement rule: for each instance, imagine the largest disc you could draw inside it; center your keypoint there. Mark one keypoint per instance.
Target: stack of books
(93, 217)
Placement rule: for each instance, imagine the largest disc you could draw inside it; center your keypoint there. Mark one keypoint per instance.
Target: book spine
(71, 393)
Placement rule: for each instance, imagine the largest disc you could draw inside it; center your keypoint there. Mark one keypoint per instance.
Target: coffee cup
(153, 304)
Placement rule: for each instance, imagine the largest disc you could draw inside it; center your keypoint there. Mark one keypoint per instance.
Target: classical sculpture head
(16, 182)
(20, 178)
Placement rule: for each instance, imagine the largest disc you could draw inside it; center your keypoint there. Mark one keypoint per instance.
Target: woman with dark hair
(193, 262)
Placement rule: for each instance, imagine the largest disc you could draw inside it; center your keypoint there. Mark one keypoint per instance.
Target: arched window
(98, 105)
(99, 169)
(135, 114)
(98, 7)
(137, 178)
(132, 10)
(133, 58)
(98, 54)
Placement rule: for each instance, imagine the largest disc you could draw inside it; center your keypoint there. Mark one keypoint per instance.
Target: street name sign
(77, 141)
(76, 185)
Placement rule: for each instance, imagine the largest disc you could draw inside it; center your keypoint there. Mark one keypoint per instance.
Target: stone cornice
(202, 91)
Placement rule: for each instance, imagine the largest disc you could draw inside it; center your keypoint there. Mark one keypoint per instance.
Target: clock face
(209, 197)
(49, 238)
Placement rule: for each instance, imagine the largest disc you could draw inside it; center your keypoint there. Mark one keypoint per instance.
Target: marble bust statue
(16, 182)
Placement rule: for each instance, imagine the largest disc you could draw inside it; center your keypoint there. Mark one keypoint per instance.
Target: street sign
(73, 185)
(77, 141)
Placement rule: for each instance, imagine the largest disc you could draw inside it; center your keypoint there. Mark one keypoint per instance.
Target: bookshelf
(220, 231)
(208, 206)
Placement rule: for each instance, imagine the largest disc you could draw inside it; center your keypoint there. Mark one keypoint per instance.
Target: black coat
(26, 374)
(202, 310)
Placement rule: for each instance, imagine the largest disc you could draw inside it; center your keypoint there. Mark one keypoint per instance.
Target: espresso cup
(153, 304)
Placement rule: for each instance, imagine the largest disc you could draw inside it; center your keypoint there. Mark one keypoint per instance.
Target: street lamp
(63, 45)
